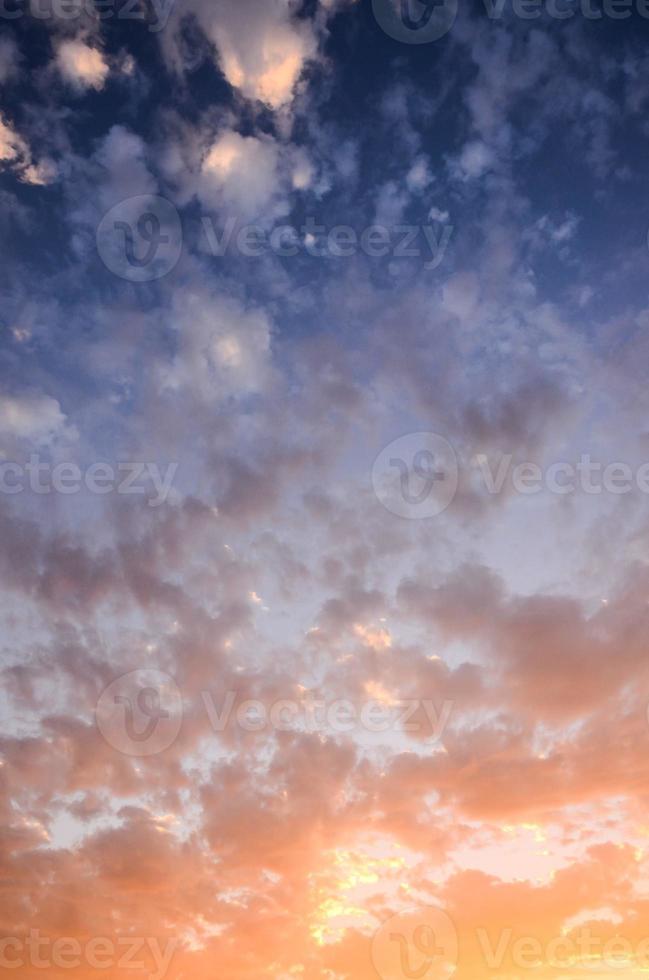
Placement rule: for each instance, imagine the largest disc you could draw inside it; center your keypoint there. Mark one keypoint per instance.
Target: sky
(324, 486)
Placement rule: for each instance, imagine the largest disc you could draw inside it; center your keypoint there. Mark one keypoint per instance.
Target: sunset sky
(324, 489)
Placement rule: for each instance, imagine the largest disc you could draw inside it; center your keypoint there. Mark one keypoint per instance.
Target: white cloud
(16, 155)
(37, 418)
(475, 159)
(223, 346)
(81, 65)
(122, 157)
(558, 234)
(13, 148)
(302, 171)
(261, 48)
(461, 295)
(436, 214)
(566, 230)
(240, 173)
(116, 174)
(419, 176)
(41, 173)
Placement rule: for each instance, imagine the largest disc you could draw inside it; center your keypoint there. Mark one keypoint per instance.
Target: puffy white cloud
(81, 66)
(12, 146)
(461, 294)
(419, 176)
(115, 176)
(15, 154)
(37, 418)
(261, 48)
(41, 173)
(223, 346)
(302, 171)
(475, 159)
(437, 214)
(240, 172)
(559, 233)
(122, 157)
